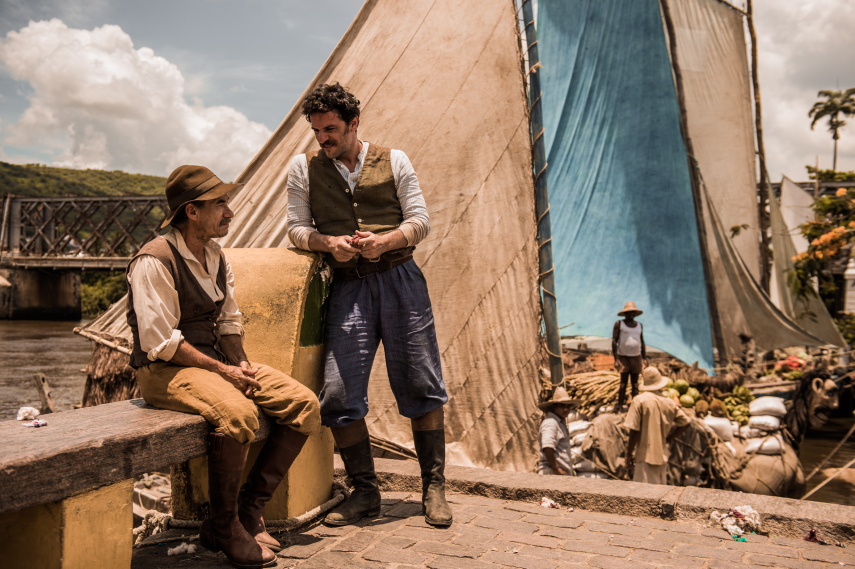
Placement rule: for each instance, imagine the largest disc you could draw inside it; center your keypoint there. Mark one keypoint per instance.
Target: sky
(146, 86)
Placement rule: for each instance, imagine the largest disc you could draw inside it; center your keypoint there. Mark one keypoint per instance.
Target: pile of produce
(737, 404)
(681, 390)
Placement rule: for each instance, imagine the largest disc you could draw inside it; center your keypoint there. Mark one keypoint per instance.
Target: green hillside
(46, 181)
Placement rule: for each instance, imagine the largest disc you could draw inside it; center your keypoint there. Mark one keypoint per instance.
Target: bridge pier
(39, 294)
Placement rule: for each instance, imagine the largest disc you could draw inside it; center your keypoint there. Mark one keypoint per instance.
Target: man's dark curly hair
(325, 98)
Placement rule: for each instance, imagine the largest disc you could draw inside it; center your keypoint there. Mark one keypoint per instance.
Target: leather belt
(367, 267)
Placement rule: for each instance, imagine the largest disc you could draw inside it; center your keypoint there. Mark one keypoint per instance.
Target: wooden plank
(87, 448)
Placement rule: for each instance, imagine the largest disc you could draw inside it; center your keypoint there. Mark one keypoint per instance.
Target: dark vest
(199, 312)
(372, 206)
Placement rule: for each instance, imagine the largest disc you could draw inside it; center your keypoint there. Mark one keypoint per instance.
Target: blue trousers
(392, 307)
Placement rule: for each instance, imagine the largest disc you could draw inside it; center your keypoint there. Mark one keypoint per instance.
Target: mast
(544, 229)
(715, 321)
(763, 192)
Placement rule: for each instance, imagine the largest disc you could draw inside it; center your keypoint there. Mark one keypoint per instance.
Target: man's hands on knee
(242, 377)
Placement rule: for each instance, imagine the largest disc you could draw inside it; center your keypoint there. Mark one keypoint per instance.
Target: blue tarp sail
(625, 212)
(623, 216)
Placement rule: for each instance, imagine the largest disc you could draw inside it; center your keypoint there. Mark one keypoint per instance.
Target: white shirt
(554, 435)
(416, 224)
(156, 300)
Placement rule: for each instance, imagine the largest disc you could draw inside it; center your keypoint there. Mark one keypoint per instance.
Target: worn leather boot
(276, 456)
(430, 448)
(222, 530)
(364, 500)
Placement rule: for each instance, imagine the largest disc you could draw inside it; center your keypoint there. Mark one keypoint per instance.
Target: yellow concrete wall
(271, 288)
(88, 530)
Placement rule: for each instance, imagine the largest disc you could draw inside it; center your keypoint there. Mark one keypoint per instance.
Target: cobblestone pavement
(490, 533)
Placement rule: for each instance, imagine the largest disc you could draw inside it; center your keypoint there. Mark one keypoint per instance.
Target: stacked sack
(763, 429)
(583, 467)
(724, 428)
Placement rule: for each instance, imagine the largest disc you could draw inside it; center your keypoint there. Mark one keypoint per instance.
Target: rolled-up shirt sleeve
(230, 320)
(299, 215)
(416, 224)
(156, 307)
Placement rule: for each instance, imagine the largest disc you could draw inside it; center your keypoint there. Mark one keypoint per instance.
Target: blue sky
(145, 86)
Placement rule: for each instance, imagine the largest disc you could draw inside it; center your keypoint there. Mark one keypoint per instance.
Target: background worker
(628, 350)
(361, 205)
(555, 455)
(189, 357)
(650, 420)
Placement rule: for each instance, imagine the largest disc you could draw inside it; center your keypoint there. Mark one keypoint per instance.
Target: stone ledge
(783, 517)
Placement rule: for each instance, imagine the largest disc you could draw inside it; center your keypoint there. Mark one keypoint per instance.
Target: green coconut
(682, 386)
(687, 401)
(694, 393)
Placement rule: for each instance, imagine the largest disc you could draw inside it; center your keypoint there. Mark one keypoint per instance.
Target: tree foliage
(830, 236)
(37, 180)
(837, 104)
(99, 290)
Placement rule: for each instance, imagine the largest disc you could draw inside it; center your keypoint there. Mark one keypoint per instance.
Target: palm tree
(837, 103)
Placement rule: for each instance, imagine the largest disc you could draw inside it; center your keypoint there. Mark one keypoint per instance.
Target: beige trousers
(194, 390)
(650, 473)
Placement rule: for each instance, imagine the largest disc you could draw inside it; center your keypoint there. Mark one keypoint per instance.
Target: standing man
(650, 419)
(360, 204)
(628, 350)
(188, 353)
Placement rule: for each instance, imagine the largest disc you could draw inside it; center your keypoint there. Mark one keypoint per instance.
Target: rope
(157, 522)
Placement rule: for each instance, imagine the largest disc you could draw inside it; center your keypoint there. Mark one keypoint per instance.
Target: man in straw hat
(189, 357)
(650, 420)
(555, 455)
(361, 206)
(629, 351)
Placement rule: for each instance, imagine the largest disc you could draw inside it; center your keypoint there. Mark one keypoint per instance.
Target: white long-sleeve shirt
(416, 224)
(156, 300)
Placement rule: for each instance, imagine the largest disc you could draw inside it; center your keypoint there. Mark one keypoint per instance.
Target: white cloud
(804, 46)
(108, 105)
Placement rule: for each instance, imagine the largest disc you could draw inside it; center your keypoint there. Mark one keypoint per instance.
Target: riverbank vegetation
(99, 290)
(37, 180)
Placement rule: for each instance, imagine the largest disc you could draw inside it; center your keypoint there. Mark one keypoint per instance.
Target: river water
(30, 347)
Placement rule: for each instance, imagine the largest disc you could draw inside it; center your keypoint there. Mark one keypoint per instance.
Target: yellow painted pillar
(92, 529)
(280, 293)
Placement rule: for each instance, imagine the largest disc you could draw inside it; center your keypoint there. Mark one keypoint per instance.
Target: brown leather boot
(430, 448)
(222, 530)
(364, 500)
(276, 456)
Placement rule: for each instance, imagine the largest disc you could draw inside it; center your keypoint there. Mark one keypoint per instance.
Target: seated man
(189, 357)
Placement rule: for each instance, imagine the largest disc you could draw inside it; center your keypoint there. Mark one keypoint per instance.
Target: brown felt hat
(191, 183)
(559, 396)
(629, 307)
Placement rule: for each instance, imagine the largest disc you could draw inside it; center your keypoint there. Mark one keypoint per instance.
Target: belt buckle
(358, 274)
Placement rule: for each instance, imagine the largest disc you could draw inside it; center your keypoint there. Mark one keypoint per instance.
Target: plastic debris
(812, 537)
(36, 423)
(184, 547)
(738, 538)
(547, 503)
(738, 520)
(27, 413)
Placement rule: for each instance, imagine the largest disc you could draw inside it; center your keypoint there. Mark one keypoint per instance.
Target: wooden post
(47, 404)
(541, 192)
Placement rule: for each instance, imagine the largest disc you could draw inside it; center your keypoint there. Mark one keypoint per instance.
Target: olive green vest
(372, 206)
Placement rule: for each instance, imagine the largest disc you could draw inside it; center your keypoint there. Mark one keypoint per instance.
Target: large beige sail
(443, 81)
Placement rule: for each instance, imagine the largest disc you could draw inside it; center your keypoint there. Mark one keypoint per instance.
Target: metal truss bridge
(77, 232)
